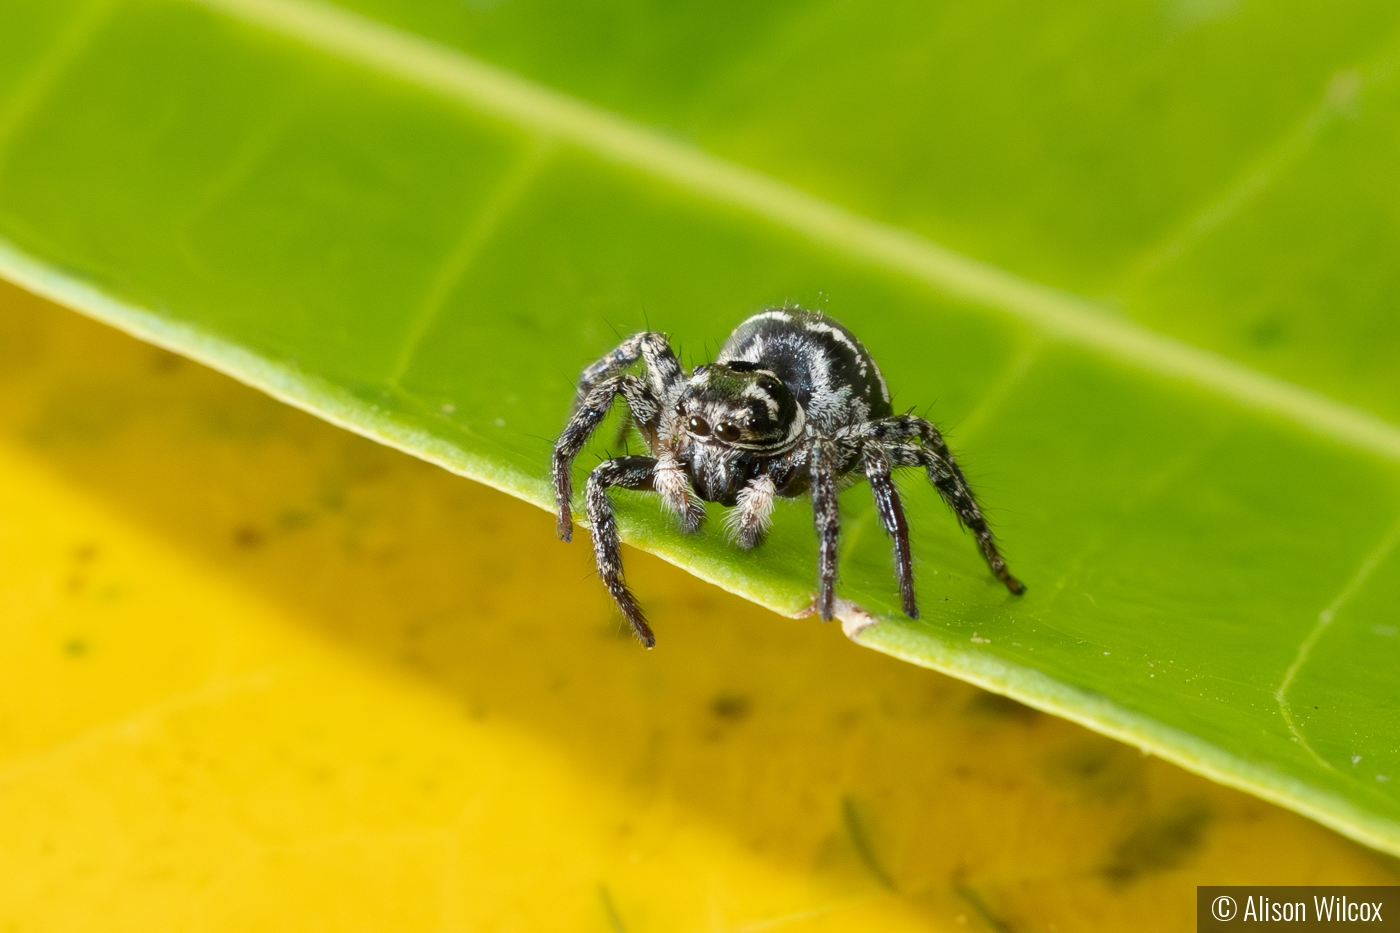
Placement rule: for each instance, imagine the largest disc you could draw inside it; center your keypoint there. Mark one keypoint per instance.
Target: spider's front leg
(627, 473)
(665, 377)
(589, 412)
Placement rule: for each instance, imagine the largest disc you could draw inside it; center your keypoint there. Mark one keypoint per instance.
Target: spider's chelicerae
(793, 404)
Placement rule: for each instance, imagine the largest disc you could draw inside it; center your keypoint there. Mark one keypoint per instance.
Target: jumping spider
(793, 404)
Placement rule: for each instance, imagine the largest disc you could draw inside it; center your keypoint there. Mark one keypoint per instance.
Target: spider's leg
(664, 374)
(891, 512)
(628, 473)
(933, 455)
(749, 520)
(588, 414)
(952, 486)
(827, 518)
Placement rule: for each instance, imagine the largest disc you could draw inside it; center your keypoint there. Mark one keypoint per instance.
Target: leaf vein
(1325, 618)
(460, 259)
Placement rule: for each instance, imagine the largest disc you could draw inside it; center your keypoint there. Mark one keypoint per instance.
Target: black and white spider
(793, 404)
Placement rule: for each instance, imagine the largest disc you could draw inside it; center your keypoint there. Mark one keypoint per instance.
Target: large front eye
(727, 432)
(698, 426)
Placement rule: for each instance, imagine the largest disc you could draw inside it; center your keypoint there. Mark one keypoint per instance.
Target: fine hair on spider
(793, 405)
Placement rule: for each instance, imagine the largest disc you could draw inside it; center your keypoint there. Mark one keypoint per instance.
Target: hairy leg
(827, 520)
(943, 472)
(952, 486)
(588, 414)
(664, 374)
(752, 515)
(891, 512)
(627, 473)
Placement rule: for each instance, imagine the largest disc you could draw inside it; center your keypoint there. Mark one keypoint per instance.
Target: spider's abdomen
(827, 370)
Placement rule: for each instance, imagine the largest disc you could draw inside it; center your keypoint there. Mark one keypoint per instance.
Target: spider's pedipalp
(627, 473)
(673, 483)
(748, 522)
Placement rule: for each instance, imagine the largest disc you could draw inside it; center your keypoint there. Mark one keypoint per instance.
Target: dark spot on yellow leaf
(979, 906)
(857, 822)
(1160, 842)
(610, 910)
(247, 536)
(731, 707)
(1097, 769)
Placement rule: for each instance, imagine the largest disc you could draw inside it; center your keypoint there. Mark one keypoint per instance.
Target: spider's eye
(727, 431)
(698, 426)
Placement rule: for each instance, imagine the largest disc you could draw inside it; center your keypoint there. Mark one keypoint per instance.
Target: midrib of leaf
(493, 91)
(1056, 315)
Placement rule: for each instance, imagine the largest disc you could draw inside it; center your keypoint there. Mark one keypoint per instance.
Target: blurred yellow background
(261, 674)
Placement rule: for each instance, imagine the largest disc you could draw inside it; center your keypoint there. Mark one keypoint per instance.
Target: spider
(794, 404)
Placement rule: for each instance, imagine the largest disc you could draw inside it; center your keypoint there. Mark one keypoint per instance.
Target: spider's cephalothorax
(793, 404)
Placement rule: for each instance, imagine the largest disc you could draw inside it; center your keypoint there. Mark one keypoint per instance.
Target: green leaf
(420, 220)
